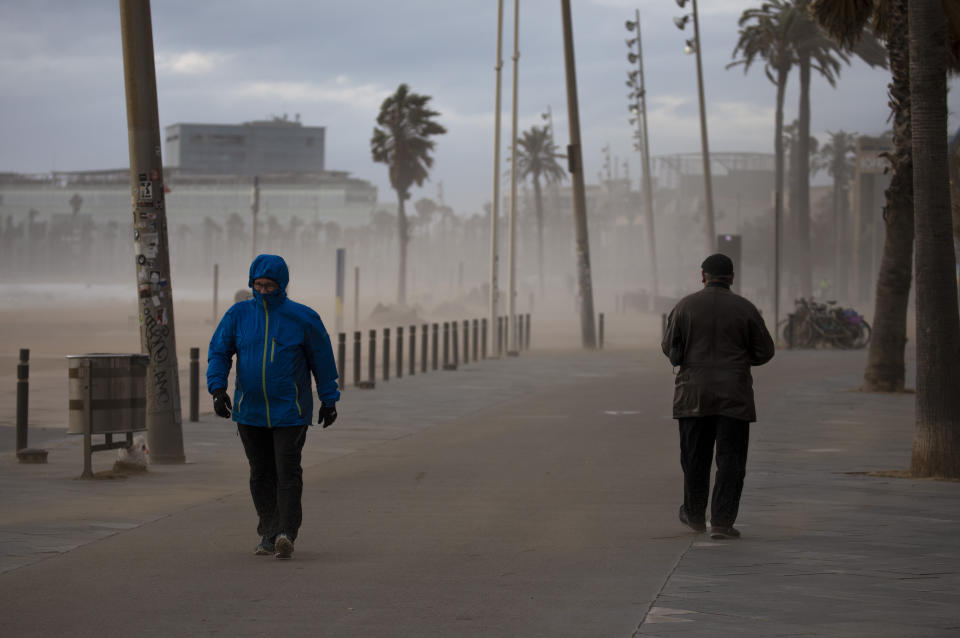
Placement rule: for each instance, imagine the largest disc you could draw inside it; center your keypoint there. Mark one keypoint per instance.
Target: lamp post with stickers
(154, 291)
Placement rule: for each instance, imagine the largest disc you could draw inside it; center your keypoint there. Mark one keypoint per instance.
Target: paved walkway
(520, 497)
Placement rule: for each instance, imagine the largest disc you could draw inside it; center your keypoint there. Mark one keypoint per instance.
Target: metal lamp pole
(495, 208)
(575, 164)
(704, 138)
(154, 289)
(512, 347)
(640, 110)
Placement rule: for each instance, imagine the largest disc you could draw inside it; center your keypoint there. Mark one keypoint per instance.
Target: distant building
(209, 171)
(261, 147)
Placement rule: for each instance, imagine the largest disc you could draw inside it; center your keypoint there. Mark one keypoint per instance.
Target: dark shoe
(265, 548)
(724, 533)
(284, 547)
(697, 526)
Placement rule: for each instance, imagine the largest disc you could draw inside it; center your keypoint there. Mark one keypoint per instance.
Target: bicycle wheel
(863, 338)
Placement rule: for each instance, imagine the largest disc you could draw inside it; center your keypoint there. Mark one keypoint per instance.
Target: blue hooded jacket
(279, 343)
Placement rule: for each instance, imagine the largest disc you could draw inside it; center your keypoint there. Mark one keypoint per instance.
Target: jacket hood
(270, 267)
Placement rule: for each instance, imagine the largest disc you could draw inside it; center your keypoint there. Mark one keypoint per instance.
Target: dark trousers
(698, 435)
(276, 478)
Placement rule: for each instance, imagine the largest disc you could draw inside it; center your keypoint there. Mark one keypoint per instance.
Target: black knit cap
(718, 265)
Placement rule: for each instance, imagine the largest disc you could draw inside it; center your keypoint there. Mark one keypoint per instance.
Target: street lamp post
(693, 46)
(638, 107)
(575, 164)
(512, 344)
(495, 208)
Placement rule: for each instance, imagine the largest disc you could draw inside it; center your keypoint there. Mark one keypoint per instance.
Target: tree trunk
(778, 195)
(538, 202)
(803, 179)
(885, 361)
(936, 443)
(838, 235)
(404, 237)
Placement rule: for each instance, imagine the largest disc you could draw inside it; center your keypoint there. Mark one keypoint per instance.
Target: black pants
(697, 438)
(276, 478)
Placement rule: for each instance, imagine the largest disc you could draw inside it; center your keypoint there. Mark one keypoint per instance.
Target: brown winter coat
(722, 335)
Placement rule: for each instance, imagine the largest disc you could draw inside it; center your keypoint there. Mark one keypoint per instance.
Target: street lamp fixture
(638, 118)
(693, 47)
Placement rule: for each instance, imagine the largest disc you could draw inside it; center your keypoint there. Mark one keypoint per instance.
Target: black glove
(221, 403)
(328, 414)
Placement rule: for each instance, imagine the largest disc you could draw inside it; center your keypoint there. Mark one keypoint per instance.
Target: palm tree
(765, 34)
(925, 48)
(404, 145)
(835, 158)
(816, 51)
(799, 167)
(845, 20)
(936, 443)
(536, 158)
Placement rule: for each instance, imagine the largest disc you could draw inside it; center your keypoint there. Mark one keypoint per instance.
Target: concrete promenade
(534, 496)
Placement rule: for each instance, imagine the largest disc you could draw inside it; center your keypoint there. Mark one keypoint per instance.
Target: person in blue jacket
(278, 343)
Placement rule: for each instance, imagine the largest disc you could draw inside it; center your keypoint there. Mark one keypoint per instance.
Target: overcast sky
(333, 62)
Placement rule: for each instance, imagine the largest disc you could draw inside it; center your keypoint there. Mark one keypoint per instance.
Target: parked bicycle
(824, 325)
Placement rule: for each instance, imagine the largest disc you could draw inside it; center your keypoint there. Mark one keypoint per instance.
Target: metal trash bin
(119, 392)
(108, 395)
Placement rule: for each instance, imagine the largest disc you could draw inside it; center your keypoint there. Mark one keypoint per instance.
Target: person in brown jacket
(714, 336)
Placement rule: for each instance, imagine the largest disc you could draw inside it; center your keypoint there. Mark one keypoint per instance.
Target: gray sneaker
(697, 525)
(724, 533)
(265, 548)
(284, 547)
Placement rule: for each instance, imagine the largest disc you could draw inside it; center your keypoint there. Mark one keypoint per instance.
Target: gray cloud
(62, 106)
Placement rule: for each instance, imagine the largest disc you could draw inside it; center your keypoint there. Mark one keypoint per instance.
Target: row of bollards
(460, 347)
(443, 346)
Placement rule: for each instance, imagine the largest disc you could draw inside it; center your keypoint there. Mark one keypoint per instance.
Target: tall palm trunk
(803, 178)
(839, 194)
(885, 361)
(778, 192)
(404, 237)
(538, 202)
(936, 443)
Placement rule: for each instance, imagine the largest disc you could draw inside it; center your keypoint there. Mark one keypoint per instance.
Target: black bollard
(24, 453)
(483, 337)
(386, 354)
(194, 385)
(454, 337)
(424, 343)
(446, 344)
(436, 342)
(476, 331)
(466, 341)
(23, 397)
(526, 338)
(356, 357)
(600, 332)
(499, 339)
(342, 359)
(399, 351)
(413, 350)
(371, 381)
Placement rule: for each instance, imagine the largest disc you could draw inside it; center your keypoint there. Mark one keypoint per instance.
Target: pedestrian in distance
(714, 336)
(278, 344)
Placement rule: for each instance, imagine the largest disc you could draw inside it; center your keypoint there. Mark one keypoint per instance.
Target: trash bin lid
(106, 355)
